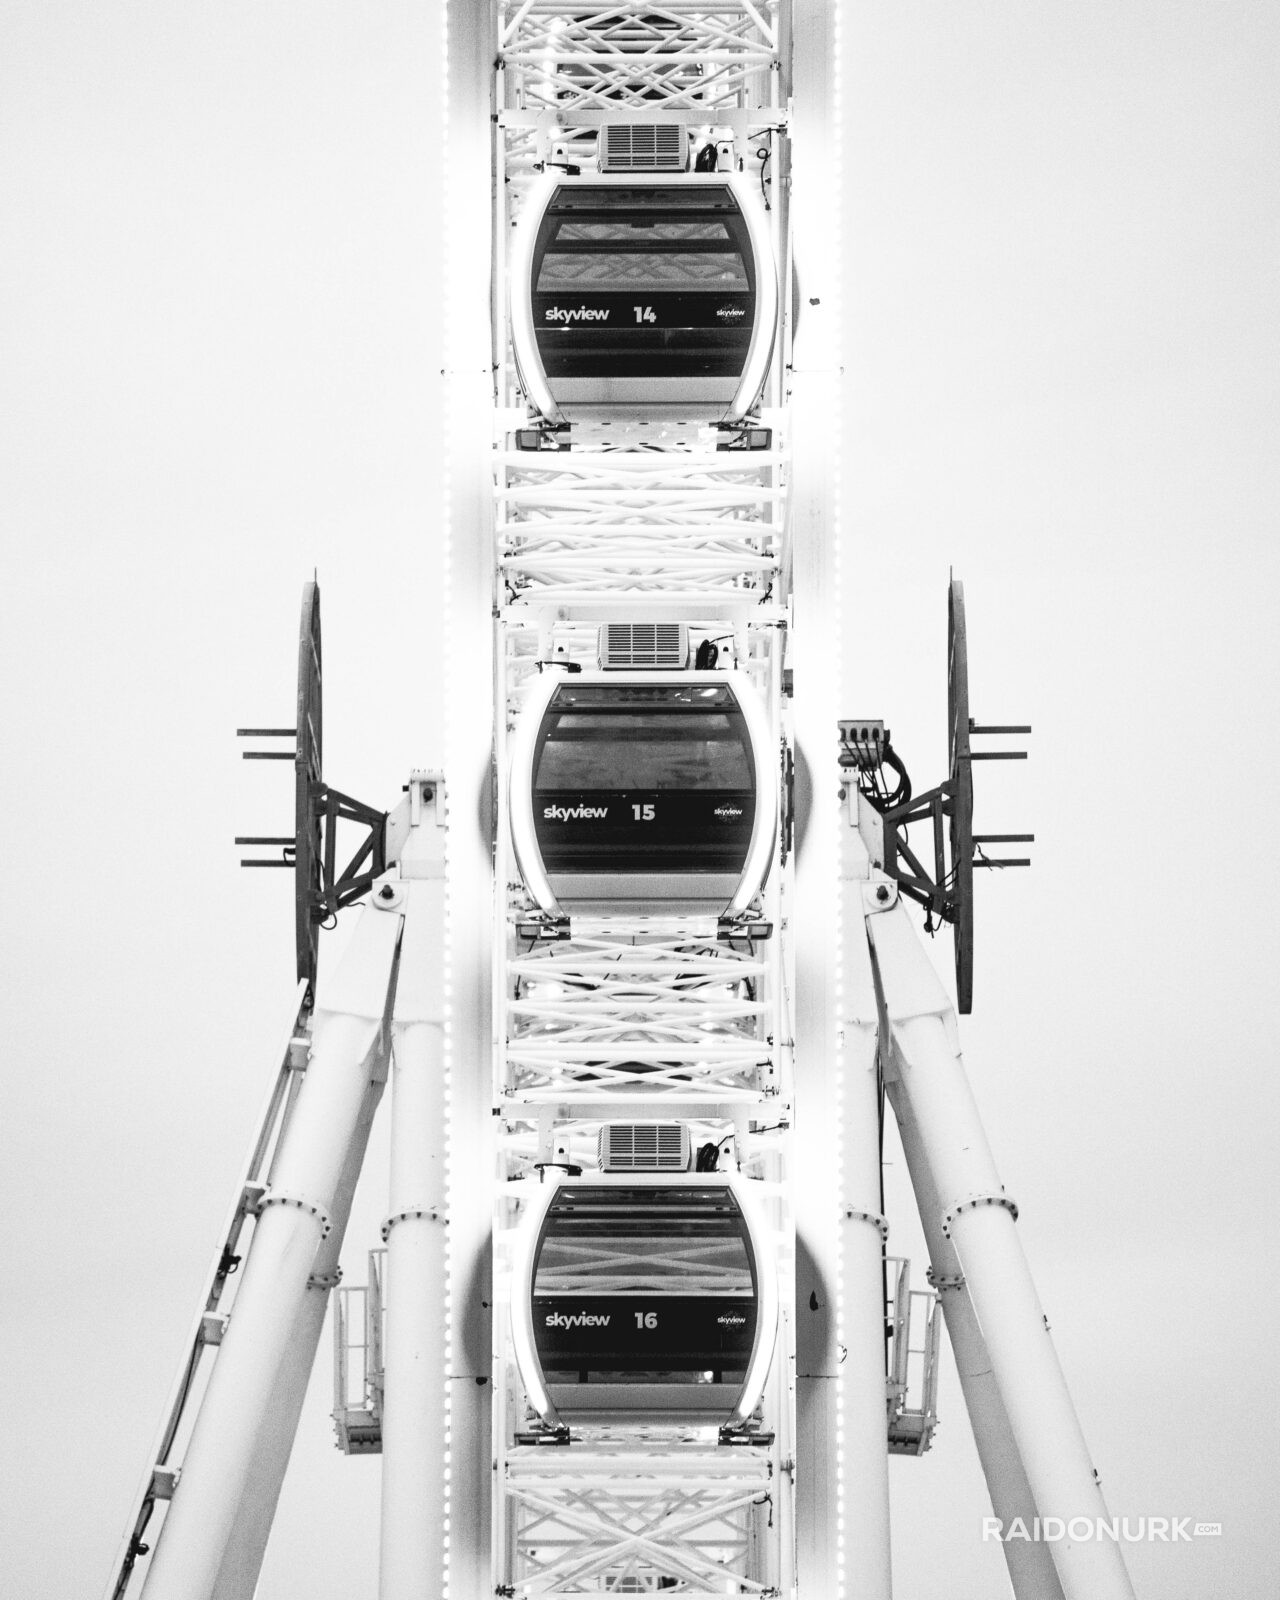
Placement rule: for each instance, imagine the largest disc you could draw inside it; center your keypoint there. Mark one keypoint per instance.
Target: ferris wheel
(636, 959)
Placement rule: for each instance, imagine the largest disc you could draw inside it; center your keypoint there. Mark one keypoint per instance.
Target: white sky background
(221, 326)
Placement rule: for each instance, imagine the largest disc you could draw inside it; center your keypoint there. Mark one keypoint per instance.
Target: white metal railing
(359, 1318)
(913, 1368)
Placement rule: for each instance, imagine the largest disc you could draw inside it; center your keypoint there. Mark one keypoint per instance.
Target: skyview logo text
(574, 314)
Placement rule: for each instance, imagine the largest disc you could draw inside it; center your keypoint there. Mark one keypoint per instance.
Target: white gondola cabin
(649, 291)
(643, 1295)
(644, 790)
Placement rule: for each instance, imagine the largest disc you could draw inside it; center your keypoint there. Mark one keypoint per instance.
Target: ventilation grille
(645, 1147)
(635, 645)
(643, 147)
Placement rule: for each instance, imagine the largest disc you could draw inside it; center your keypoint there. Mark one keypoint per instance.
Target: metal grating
(644, 1147)
(643, 147)
(639, 645)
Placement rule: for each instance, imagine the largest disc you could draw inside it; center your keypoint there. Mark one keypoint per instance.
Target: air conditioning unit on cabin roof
(643, 147)
(644, 646)
(645, 1147)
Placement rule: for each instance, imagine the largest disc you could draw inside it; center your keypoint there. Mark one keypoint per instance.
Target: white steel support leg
(248, 1409)
(265, 1472)
(979, 1218)
(415, 1422)
(863, 1409)
(1030, 1563)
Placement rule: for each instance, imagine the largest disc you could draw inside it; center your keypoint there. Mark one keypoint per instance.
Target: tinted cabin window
(643, 1286)
(653, 255)
(643, 283)
(643, 779)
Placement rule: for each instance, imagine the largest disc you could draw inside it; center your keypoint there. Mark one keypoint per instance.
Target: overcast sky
(220, 371)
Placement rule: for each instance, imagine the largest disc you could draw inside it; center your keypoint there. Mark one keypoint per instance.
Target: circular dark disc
(308, 767)
(961, 783)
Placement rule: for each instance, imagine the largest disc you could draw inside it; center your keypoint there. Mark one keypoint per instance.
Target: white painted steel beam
(264, 1471)
(249, 1410)
(862, 1477)
(978, 1217)
(182, 1402)
(416, 1457)
(1030, 1563)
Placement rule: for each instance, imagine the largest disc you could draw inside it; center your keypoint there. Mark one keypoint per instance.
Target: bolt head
(882, 894)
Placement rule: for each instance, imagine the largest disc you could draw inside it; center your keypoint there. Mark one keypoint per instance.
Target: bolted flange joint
(432, 1213)
(852, 1214)
(277, 1197)
(972, 1203)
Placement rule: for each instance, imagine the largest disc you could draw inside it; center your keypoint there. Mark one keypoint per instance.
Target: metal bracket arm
(340, 889)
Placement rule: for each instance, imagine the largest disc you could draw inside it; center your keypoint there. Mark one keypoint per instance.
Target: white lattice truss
(670, 1018)
(569, 58)
(692, 527)
(623, 1523)
(651, 1017)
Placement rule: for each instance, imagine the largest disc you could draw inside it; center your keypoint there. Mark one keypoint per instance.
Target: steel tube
(264, 1473)
(241, 1407)
(415, 1434)
(864, 1475)
(1030, 1564)
(980, 1220)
